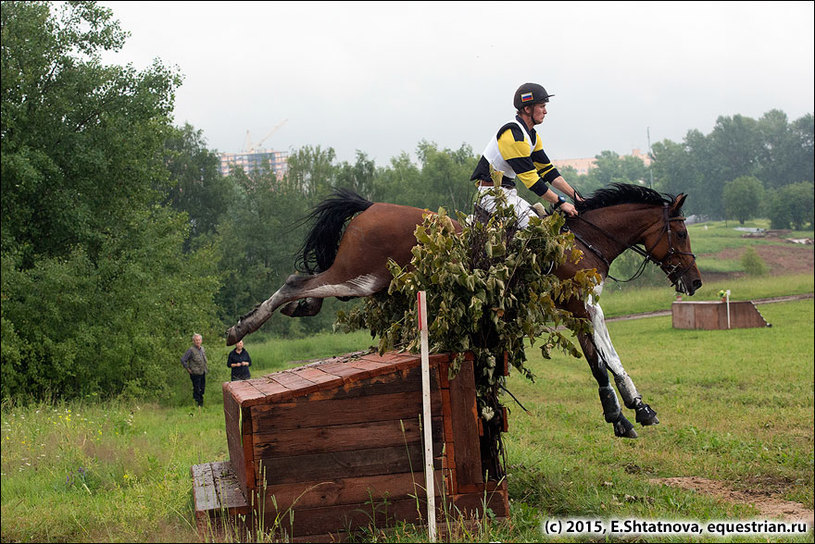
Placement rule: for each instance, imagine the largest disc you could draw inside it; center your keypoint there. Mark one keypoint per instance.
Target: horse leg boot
(633, 400)
(613, 414)
(608, 398)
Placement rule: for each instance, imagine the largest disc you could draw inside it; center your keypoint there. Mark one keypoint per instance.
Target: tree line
(120, 237)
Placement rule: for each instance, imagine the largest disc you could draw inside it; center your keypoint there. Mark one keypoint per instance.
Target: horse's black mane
(623, 193)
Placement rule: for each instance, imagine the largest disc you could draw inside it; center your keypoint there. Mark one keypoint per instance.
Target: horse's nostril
(697, 284)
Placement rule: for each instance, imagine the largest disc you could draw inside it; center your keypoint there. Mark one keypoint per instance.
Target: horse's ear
(677, 205)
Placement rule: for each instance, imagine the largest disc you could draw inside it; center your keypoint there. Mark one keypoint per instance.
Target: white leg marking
(602, 341)
(360, 286)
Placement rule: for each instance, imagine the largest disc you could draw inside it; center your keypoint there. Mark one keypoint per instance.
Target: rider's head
(527, 97)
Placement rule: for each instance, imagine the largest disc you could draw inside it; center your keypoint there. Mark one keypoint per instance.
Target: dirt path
(768, 505)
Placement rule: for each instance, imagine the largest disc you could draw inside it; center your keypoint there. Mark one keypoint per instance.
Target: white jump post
(727, 301)
(427, 420)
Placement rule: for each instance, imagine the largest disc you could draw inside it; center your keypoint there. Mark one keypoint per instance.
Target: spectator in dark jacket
(239, 361)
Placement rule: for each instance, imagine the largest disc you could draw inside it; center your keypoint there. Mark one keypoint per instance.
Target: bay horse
(353, 263)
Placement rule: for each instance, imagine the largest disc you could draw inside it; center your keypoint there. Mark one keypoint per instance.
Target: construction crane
(250, 147)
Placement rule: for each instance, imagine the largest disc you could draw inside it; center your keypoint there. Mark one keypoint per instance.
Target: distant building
(582, 166)
(253, 161)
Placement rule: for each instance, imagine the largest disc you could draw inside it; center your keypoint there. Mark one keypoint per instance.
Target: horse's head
(668, 245)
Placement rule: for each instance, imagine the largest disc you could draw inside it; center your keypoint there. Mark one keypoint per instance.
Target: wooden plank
(306, 413)
(403, 380)
(335, 438)
(443, 373)
(744, 315)
(465, 419)
(237, 452)
(349, 464)
(230, 494)
(447, 415)
(203, 488)
(243, 391)
(319, 376)
(319, 494)
(493, 494)
(293, 382)
(341, 369)
(338, 519)
(268, 387)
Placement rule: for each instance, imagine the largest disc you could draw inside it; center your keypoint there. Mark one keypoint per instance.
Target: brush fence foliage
(488, 288)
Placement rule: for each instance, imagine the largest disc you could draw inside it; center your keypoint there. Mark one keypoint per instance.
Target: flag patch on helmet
(526, 97)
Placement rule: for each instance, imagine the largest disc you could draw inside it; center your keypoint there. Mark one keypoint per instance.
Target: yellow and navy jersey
(516, 152)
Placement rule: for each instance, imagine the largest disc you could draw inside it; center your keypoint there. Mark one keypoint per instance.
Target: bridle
(671, 270)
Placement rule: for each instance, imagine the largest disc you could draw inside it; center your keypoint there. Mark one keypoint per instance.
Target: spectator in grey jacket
(195, 362)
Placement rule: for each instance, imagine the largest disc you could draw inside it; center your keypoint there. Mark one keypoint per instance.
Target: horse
(353, 263)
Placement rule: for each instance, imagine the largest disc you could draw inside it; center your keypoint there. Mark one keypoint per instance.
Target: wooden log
(274, 418)
(239, 440)
(318, 494)
(337, 438)
(464, 412)
(351, 464)
(337, 520)
(472, 504)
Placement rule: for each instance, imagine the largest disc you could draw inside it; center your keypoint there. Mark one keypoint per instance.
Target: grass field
(736, 407)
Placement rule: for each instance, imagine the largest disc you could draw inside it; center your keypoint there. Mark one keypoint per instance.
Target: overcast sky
(381, 76)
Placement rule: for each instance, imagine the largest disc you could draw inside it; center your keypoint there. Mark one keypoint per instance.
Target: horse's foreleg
(608, 398)
(305, 307)
(608, 355)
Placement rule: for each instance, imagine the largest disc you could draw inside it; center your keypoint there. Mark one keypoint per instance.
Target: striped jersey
(516, 152)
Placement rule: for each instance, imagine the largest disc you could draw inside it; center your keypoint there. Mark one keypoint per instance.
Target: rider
(517, 151)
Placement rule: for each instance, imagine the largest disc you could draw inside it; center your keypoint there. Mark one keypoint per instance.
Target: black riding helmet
(529, 94)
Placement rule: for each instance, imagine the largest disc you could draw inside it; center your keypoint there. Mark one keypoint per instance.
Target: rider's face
(538, 113)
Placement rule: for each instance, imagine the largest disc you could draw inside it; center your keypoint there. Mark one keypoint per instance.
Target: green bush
(752, 263)
(792, 206)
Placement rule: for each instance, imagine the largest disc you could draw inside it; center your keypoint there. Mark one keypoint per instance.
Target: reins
(646, 253)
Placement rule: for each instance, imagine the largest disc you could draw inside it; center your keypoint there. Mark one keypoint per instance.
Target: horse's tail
(321, 245)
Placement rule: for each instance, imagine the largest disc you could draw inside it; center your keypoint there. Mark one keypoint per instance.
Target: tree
(770, 149)
(199, 188)
(78, 138)
(611, 168)
(98, 294)
(792, 206)
(358, 177)
(743, 197)
(312, 170)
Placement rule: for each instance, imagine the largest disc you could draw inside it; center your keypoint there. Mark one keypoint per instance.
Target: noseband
(647, 253)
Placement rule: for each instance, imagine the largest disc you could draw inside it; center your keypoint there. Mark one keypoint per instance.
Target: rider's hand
(568, 209)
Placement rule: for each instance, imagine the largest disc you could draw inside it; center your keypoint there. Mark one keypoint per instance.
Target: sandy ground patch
(769, 506)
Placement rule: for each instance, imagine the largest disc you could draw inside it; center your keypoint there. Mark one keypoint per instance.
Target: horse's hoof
(623, 428)
(232, 337)
(646, 415)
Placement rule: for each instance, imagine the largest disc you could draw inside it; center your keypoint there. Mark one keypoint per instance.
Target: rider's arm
(561, 185)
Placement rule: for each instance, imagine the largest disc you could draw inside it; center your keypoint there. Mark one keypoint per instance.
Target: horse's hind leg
(601, 340)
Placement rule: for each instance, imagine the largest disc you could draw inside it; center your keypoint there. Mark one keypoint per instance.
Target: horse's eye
(682, 234)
